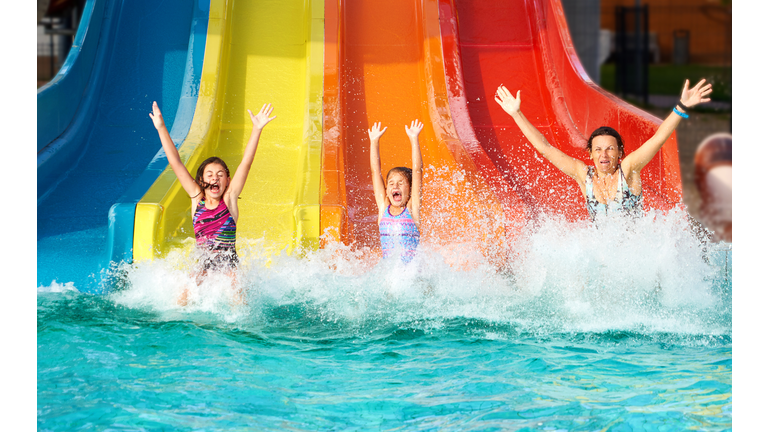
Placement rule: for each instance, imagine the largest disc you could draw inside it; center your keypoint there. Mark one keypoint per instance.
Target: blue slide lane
(58, 100)
(107, 153)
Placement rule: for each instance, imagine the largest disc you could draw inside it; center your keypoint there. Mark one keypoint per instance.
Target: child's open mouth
(214, 188)
(397, 196)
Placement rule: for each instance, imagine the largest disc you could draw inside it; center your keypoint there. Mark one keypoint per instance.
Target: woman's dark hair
(201, 170)
(405, 171)
(606, 130)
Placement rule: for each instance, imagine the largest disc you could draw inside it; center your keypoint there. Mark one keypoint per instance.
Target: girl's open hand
(375, 132)
(696, 95)
(262, 118)
(157, 116)
(414, 130)
(508, 103)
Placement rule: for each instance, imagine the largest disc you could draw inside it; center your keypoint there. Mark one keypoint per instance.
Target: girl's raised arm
(379, 191)
(185, 178)
(635, 161)
(574, 168)
(241, 174)
(417, 170)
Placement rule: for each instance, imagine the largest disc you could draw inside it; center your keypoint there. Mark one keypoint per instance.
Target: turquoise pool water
(620, 328)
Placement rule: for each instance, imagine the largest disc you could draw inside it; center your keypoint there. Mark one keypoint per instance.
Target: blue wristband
(681, 114)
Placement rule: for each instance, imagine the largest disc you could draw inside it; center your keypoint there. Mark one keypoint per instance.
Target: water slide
(526, 46)
(441, 61)
(57, 101)
(434, 60)
(94, 137)
(256, 52)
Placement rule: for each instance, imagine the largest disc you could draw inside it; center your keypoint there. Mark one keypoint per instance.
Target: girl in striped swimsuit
(399, 200)
(214, 196)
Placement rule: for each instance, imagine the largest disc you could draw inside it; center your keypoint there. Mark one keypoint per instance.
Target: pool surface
(622, 328)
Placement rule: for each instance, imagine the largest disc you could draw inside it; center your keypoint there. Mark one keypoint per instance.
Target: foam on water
(577, 327)
(56, 287)
(651, 275)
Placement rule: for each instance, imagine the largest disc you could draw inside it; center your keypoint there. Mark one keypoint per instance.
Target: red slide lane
(525, 45)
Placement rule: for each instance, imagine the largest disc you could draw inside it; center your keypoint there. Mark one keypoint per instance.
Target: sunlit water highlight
(625, 326)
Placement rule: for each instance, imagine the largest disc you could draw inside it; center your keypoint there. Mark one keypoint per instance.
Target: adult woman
(612, 185)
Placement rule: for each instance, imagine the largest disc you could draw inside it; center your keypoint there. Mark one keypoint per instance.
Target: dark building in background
(700, 27)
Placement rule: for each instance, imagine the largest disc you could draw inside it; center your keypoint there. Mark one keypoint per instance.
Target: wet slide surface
(525, 46)
(256, 52)
(141, 56)
(58, 100)
(435, 60)
(390, 70)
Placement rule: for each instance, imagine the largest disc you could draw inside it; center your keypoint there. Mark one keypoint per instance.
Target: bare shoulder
(382, 209)
(581, 169)
(230, 200)
(628, 168)
(415, 212)
(195, 201)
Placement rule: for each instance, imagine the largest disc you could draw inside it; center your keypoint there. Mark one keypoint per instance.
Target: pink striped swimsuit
(215, 231)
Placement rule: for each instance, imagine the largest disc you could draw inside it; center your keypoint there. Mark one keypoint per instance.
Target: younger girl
(214, 195)
(399, 200)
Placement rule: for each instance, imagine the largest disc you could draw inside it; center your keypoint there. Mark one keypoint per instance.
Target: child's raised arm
(379, 191)
(574, 168)
(241, 174)
(185, 178)
(417, 172)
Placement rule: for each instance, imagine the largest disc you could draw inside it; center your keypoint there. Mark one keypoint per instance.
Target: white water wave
(651, 274)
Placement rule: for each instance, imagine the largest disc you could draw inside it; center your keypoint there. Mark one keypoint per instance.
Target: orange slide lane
(383, 63)
(526, 46)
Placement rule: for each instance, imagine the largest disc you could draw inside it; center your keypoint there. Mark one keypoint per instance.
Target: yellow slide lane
(256, 52)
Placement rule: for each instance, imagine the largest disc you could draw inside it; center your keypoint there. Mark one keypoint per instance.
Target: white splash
(649, 275)
(56, 287)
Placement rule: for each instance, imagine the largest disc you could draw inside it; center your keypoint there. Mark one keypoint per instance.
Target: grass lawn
(668, 79)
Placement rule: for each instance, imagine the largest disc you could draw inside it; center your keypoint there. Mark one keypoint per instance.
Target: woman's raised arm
(574, 168)
(635, 161)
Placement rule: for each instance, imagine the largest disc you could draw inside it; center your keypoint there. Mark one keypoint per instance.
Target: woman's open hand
(508, 103)
(696, 95)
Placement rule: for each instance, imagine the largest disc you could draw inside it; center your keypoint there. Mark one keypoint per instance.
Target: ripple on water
(558, 337)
